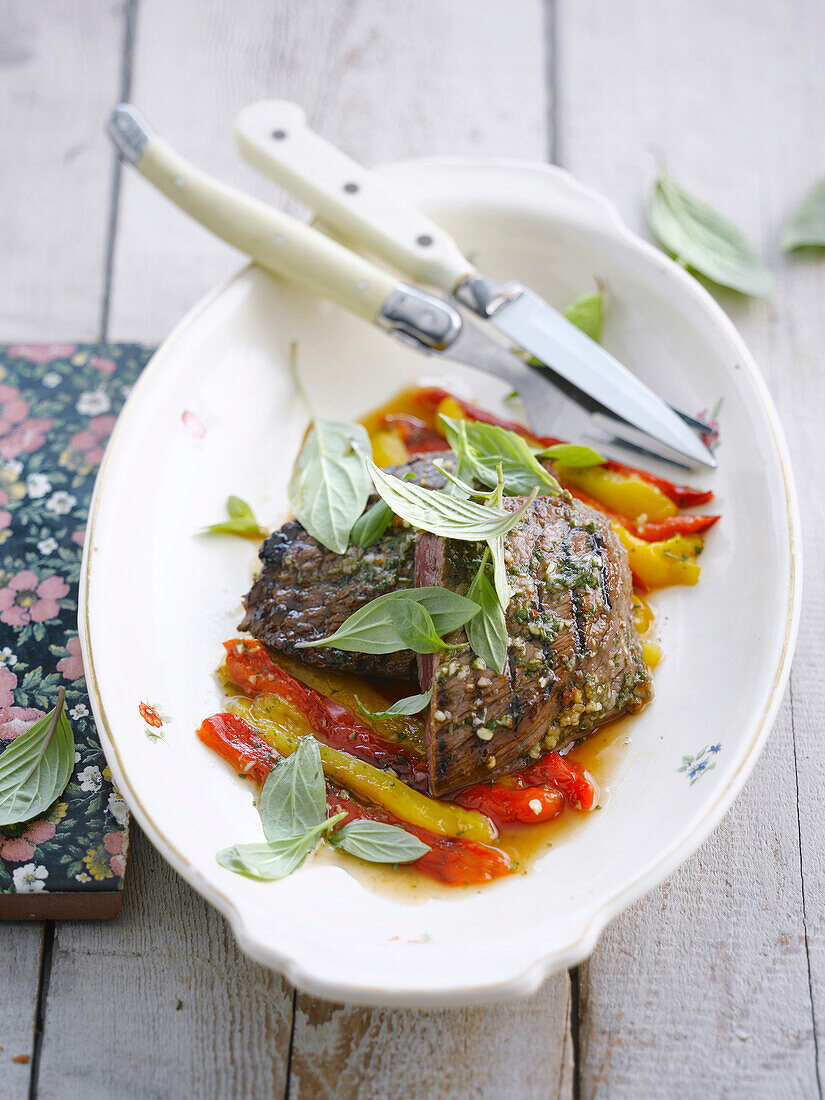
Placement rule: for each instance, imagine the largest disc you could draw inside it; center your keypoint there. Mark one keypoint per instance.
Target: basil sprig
(293, 811)
(36, 767)
(415, 628)
(412, 704)
(369, 528)
(372, 629)
(487, 631)
(703, 241)
(241, 522)
(329, 487)
(586, 313)
(481, 449)
(573, 455)
(806, 226)
(452, 517)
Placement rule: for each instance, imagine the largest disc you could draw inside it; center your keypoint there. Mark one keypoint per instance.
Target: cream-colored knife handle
(273, 137)
(277, 242)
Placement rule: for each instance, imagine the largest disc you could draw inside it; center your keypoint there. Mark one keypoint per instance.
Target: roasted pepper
(628, 495)
(506, 803)
(576, 784)
(661, 564)
(388, 448)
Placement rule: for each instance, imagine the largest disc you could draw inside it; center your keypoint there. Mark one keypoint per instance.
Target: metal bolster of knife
(483, 296)
(420, 319)
(129, 131)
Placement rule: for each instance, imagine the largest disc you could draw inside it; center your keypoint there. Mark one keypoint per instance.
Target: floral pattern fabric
(58, 404)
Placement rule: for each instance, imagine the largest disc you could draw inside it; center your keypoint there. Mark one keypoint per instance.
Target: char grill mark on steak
(305, 592)
(574, 660)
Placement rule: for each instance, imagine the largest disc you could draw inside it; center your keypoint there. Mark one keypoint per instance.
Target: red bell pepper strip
(432, 396)
(418, 437)
(505, 804)
(239, 745)
(577, 785)
(655, 530)
(454, 862)
(251, 668)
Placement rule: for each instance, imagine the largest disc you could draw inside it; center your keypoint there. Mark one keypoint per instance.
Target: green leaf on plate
(36, 766)
(329, 487)
(369, 528)
(451, 517)
(586, 313)
(371, 629)
(412, 704)
(807, 224)
(572, 455)
(293, 798)
(276, 858)
(481, 448)
(414, 627)
(379, 842)
(241, 522)
(704, 241)
(487, 631)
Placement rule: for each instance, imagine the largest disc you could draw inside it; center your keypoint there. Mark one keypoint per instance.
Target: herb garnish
(586, 313)
(241, 522)
(293, 812)
(329, 487)
(487, 631)
(36, 767)
(573, 455)
(412, 704)
(369, 528)
(807, 224)
(704, 241)
(481, 448)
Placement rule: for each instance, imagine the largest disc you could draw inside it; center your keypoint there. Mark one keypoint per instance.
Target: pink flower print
(8, 682)
(5, 517)
(193, 424)
(16, 720)
(72, 666)
(113, 843)
(101, 363)
(13, 408)
(41, 353)
(21, 848)
(79, 536)
(25, 438)
(24, 600)
(85, 448)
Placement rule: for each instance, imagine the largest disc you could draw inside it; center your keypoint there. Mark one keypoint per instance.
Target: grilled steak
(306, 592)
(574, 660)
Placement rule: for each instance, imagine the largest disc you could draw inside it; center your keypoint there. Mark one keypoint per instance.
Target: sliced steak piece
(305, 591)
(574, 659)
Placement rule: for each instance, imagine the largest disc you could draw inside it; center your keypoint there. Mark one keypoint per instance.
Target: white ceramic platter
(217, 411)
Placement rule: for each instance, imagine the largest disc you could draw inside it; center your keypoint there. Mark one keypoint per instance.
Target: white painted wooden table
(714, 985)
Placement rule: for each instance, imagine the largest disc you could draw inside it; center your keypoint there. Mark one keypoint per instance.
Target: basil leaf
(572, 455)
(378, 842)
(502, 586)
(449, 516)
(463, 488)
(704, 241)
(241, 522)
(293, 798)
(36, 766)
(413, 704)
(807, 224)
(485, 447)
(371, 526)
(329, 487)
(276, 858)
(414, 627)
(586, 313)
(370, 629)
(487, 631)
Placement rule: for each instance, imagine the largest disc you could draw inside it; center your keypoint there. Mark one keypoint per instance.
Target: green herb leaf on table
(379, 842)
(276, 858)
(412, 704)
(36, 767)
(573, 455)
(414, 627)
(369, 528)
(293, 798)
(806, 227)
(482, 448)
(702, 240)
(241, 522)
(487, 631)
(329, 487)
(371, 629)
(586, 313)
(449, 516)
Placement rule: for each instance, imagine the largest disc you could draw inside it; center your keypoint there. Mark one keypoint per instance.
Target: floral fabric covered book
(58, 404)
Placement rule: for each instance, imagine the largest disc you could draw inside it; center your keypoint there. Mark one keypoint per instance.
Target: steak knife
(274, 138)
(300, 254)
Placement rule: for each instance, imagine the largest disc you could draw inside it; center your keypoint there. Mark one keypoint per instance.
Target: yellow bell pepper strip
(661, 564)
(388, 448)
(283, 727)
(651, 654)
(642, 614)
(628, 495)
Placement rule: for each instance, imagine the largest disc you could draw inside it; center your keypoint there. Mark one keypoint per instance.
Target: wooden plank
(59, 71)
(173, 1005)
(703, 988)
